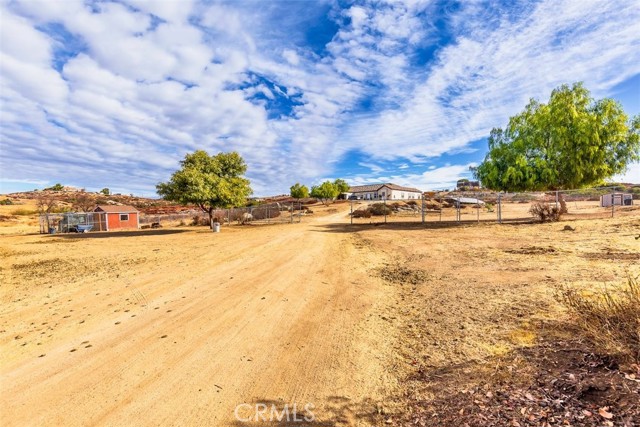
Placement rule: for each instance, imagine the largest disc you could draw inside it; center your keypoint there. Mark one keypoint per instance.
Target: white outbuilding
(616, 199)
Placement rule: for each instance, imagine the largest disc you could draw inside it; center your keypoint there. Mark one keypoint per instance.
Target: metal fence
(479, 206)
(272, 213)
(70, 222)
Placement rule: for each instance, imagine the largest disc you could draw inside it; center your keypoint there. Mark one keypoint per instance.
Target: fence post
(423, 206)
(351, 216)
(458, 209)
(556, 200)
(499, 208)
(613, 203)
(440, 209)
(385, 208)
(478, 210)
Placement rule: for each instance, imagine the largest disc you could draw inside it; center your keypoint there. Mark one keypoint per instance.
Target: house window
(124, 217)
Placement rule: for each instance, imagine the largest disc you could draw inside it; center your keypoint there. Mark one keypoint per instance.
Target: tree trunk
(208, 210)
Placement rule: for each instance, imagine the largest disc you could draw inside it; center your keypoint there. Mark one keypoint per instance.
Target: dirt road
(179, 327)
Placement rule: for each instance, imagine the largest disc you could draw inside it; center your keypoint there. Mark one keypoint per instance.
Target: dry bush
(361, 213)
(267, 212)
(432, 205)
(378, 209)
(23, 212)
(545, 212)
(610, 319)
(199, 220)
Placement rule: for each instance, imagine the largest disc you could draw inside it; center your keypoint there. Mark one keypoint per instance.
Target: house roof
(376, 187)
(115, 209)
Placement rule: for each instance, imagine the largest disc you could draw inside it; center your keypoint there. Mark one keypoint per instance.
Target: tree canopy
(208, 181)
(328, 191)
(299, 191)
(573, 141)
(341, 185)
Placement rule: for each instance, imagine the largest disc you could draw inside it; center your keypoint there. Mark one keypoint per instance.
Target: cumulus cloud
(115, 93)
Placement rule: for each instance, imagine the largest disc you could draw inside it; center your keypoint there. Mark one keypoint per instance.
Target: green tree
(299, 191)
(325, 192)
(105, 191)
(573, 141)
(208, 181)
(341, 185)
(56, 187)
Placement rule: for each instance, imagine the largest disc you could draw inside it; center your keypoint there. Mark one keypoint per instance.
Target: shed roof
(115, 209)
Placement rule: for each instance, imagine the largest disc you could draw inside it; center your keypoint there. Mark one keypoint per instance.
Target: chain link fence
(271, 213)
(479, 206)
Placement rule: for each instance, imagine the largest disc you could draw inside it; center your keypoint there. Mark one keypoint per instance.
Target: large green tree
(299, 191)
(328, 191)
(573, 141)
(210, 182)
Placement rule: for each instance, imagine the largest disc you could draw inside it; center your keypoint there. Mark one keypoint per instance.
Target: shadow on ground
(410, 225)
(557, 380)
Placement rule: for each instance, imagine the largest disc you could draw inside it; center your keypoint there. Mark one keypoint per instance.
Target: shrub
(56, 187)
(544, 212)
(361, 213)
(23, 212)
(199, 220)
(379, 209)
(610, 319)
(6, 202)
(266, 212)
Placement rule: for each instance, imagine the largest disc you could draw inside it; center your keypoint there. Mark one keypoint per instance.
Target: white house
(383, 191)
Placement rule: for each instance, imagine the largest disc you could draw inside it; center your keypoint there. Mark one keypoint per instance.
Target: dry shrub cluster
(545, 212)
(378, 209)
(266, 212)
(610, 319)
(361, 213)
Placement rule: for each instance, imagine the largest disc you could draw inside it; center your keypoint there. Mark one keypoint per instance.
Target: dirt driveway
(369, 324)
(179, 327)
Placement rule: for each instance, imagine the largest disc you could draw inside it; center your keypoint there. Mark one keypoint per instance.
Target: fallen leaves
(604, 413)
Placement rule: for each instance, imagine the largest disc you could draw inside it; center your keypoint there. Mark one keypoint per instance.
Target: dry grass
(24, 212)
(544, 212)
(611, 319)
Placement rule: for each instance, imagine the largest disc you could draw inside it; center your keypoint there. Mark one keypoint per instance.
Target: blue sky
(114, 93)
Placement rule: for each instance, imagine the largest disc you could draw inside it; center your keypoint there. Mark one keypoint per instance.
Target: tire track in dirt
(279, 316)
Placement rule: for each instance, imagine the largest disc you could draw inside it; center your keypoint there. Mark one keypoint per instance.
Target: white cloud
(488, 75)
(632, 175)
(143, 92)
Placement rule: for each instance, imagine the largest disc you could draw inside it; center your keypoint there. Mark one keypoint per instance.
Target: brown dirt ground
(387, 325)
